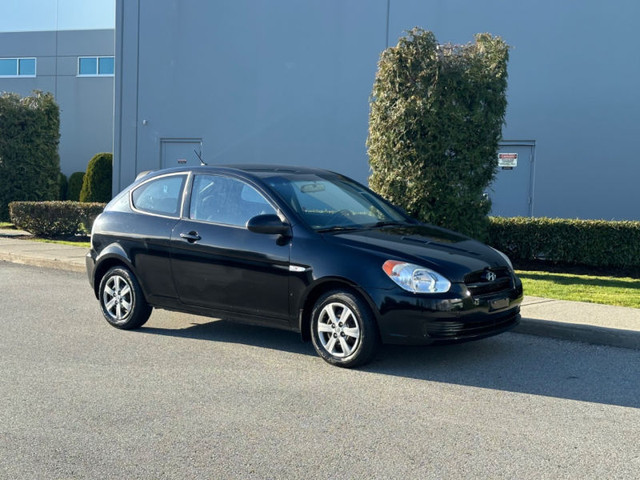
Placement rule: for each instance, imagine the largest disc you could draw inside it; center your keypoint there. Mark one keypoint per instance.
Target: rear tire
(122, 301)
(343, 329)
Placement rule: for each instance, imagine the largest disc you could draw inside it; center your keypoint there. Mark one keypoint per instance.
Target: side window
(160, 196)
(226, 200)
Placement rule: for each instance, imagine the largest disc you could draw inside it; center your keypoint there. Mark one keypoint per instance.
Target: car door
(146, 232)
(219, 264)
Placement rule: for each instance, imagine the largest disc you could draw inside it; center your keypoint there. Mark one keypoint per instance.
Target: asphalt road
(189, 397)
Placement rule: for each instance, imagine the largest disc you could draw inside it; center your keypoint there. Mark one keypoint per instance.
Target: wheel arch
(328, 285)
(112, 256)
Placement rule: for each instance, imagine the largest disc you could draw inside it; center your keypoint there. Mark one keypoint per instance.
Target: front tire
(343, 330)
(122, 301)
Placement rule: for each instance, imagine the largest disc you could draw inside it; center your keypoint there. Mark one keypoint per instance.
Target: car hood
(446, 252)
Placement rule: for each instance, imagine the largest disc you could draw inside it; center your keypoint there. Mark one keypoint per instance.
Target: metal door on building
(177, 152)
(511, 192)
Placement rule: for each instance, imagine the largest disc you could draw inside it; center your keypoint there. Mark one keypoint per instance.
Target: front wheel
(122, 301)
(343, 329)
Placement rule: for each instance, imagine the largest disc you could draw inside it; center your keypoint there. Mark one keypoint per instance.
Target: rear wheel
(343, 329)
(122, 301)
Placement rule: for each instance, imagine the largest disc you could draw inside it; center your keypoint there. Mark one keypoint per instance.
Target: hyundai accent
(295, 248)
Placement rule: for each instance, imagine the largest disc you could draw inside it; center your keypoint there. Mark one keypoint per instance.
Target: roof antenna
(199, 157)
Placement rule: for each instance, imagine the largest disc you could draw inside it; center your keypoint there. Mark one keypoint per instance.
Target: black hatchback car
(295, 248)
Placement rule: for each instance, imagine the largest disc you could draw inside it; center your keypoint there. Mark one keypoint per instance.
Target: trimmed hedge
(55, 219)
(434, 126)
(29, 161)
(96, 186)
(593, 243)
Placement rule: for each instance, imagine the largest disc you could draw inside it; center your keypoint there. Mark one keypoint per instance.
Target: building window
(95, 66)
(17, 67)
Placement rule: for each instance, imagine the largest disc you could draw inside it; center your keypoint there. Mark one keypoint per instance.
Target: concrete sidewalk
(577, 321)
(18, 249)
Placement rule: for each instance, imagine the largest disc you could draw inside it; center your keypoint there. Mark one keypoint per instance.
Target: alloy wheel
(118, 298)
(338, 330)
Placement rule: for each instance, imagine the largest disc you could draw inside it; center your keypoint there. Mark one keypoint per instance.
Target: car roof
(259, 170)
(267, 168)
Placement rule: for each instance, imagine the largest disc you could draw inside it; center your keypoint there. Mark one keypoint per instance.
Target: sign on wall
(507, 160)
(511, 191)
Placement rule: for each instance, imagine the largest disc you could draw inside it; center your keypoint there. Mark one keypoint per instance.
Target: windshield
(333, 202)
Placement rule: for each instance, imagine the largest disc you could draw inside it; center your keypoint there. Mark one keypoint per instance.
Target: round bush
(64, 186)
(96, 186)
(75, 185)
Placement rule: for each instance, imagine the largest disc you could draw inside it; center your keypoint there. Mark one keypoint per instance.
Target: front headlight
(504, 255)
(414, 278)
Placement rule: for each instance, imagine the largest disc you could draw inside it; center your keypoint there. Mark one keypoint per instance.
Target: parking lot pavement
(194, 397)
(576, 321)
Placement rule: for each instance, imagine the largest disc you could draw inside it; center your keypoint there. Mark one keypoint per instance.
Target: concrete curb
(55, 263)
(16, 247)
(595, 335)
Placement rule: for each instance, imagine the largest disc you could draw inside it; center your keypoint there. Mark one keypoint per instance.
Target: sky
(38, 15)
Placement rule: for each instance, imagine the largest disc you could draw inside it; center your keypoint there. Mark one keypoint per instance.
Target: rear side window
(226, 200)
(161, 196)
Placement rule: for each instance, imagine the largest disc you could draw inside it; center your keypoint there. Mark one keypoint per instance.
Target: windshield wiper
(347, 228)
(389, 224)
(340, 228)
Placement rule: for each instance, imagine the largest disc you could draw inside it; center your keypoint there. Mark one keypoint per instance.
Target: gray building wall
(280, 82)
(86, 103)
(289, 82)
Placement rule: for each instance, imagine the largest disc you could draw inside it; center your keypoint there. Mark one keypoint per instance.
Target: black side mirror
(269, 224)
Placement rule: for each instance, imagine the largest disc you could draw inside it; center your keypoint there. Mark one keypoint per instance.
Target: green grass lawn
(583, 288)
(64, 242)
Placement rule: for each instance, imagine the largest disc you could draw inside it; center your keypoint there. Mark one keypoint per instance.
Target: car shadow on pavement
(523, 364)
(509, 362)
(234, 332)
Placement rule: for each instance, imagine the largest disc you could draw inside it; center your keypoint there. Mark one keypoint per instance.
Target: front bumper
(457, 316)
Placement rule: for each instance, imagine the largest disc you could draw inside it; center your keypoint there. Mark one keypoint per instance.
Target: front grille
(482, 282)
(448, 329)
